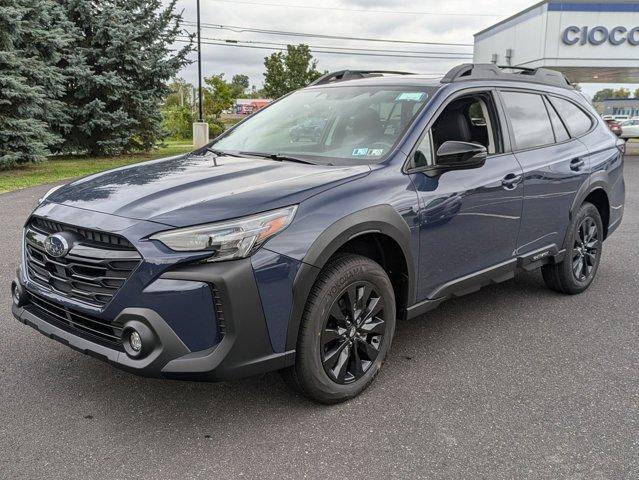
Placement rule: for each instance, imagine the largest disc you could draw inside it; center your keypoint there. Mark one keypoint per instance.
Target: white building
(589, 41)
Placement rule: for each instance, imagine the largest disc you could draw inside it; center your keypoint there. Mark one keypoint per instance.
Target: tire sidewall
(586, 210)
(320, 384)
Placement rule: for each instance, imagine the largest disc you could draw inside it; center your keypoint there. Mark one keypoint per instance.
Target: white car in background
(630, 128)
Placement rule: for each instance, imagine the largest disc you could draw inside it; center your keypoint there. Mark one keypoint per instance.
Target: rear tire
(346, 331)
(583, 254)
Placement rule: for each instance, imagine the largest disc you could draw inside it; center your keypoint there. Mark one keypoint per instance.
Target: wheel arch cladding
(368, 232)
(599, 198)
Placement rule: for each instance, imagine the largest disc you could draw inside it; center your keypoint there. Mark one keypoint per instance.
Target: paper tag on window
(410, 97)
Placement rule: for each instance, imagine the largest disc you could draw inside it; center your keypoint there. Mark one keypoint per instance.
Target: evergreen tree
(117, 77)
(32, 42)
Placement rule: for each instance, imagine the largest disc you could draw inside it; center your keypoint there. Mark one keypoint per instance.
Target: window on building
(529, 119)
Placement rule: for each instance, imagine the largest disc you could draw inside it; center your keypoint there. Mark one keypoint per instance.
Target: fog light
(138, 339)
(135, 341)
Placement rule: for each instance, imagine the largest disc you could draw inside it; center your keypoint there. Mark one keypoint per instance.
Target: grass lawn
(62, 168)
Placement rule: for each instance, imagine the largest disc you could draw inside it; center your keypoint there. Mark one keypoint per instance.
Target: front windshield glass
(330, 125)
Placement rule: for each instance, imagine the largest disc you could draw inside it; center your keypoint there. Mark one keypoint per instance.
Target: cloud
(423, 28)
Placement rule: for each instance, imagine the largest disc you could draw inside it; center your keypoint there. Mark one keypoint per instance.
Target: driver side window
(471, 118)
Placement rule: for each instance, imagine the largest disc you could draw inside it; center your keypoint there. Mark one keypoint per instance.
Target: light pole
(199, 66)
(200, 128)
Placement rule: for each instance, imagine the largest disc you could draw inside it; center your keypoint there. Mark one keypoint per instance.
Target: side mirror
(453, 155)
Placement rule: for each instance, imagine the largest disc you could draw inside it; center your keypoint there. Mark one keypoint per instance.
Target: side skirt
(496, 274)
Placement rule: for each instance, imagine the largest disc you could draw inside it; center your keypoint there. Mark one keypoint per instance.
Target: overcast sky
(389, 19)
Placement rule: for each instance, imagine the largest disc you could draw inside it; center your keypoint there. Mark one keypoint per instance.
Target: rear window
(529, 119)
(574, 117)
(561, 134)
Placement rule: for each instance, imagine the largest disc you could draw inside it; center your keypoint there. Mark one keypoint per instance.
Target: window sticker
(411, 97)
(368, 152)
(360, 152)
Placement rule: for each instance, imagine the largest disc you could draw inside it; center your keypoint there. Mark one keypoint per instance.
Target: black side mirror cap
(454, 155)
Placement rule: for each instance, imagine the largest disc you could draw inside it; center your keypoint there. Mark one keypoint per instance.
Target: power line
(235, 41)
(238, 29)
(333, 52)
(363, 10)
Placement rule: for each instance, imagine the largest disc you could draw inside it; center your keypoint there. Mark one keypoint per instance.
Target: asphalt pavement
(512, 382)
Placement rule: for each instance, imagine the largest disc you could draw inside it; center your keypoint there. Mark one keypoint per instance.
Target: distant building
(246, 106)
(592, 41)
(621, 106)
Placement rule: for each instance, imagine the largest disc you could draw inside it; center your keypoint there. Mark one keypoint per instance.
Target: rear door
(554, 162)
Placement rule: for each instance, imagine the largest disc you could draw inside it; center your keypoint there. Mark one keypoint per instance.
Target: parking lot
(514, 381)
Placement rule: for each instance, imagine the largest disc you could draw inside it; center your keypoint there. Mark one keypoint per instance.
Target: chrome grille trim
(89, 273)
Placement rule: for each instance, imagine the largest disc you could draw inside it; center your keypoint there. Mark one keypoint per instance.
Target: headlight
(230, 239)
(46, 195)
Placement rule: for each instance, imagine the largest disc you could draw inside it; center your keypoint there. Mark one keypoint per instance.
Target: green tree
(611, 93)
(123, 56)
(181, 94)
(637, 93)
(32, 42)
(178, 110)
(240, 84)
(219, 95)
(289, 71)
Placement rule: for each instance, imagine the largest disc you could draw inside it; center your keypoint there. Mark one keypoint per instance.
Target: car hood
(187, 190)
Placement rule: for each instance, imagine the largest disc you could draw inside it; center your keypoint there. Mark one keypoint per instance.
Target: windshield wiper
(220, 153)
(278, 156)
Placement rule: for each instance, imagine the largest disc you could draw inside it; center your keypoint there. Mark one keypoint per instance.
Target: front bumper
(244, 349)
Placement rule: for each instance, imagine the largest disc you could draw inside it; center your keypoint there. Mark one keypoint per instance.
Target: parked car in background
(613, 125)
(621, 118)
(255, 253)
(630, 128)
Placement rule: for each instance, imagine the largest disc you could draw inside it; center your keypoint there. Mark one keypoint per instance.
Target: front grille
(95, 237)
(91, 328)
(92, 272)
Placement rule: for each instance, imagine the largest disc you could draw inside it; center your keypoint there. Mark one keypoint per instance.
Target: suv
(256, 253)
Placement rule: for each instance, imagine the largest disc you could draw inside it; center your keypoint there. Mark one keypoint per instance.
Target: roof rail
(344, 75)
(490, 71)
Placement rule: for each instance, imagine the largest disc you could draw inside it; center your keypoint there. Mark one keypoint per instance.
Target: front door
(469, 219)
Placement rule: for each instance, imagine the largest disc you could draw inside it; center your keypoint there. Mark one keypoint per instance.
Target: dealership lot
(510, 382)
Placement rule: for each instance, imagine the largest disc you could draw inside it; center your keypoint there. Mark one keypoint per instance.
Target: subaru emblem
(56, 245)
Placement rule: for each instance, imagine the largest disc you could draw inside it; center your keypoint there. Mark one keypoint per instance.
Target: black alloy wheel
(353, 333)
(346, 330)
(585, 250)
(584, 246)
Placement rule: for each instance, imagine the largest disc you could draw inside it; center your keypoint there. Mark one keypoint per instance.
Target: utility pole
(199, 66)
(200, 128)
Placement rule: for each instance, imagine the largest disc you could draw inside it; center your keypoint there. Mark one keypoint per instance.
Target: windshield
(339, 125)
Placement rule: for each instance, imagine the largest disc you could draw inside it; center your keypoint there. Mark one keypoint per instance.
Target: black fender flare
(382, 219)
(598, 181)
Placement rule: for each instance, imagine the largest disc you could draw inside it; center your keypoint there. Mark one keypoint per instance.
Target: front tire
(346, 331)
(583, 254)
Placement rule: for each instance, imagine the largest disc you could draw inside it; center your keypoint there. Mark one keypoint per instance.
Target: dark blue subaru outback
(266, 250)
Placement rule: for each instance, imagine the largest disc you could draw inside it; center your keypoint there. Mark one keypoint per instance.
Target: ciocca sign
(599, 35)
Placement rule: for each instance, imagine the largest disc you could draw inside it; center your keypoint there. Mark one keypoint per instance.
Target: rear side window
(561, 134)
(574, 117)
(529, 119)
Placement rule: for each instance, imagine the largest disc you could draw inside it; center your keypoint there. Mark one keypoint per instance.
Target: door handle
(577, 164)
(511, 181)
